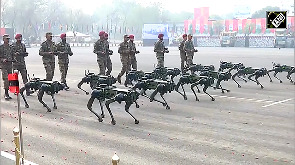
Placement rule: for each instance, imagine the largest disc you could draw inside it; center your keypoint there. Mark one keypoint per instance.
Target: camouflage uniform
(63, 59)
(124, 55)
(189, 49)
(100, 49)
(20, 63)
(6, 52)
(47, 58)
(159, 49)
(132, 57)
(108, 61)
(182, 54)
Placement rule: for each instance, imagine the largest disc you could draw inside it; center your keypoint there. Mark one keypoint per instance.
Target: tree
(262, 12)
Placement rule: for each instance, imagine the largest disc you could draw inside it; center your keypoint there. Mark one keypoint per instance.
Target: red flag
(244, 23)
(185, 26)
(253, 24)
(197, 13)
(263, 25)
(226, 25)
(13, 83)
(235, 25)
(194, 26)
(202, 25)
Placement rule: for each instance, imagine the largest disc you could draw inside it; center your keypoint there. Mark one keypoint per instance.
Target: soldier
(48, 52)
(182, 52)
(6, 58)
(133, 51)
(100, 50)
(160, 50)
(190, 50)
(108, 63)
(19, 52)
(64, 50)
(124, 55)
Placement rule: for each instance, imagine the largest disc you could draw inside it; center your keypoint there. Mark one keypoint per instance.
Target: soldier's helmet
(101, 33)
(131, 36)
(63, 35)
(6, 36)
(18, 36)
(160, 35)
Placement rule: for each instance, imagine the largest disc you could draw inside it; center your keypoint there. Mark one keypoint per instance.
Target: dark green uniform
(190, 50)
(48, 58)
(159, 49)
(65, 51)
(6, 52)
(124, 52)
(108, 62)
(20, 52)
(101, 51)
(132, 57)
(183, 58)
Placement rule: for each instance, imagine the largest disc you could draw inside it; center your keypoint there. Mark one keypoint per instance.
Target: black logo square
(276, 19)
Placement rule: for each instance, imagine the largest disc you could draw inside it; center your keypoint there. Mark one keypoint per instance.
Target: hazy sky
(216, 6)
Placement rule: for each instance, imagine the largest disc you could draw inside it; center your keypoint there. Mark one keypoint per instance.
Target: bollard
(17, 146)
(115, 159)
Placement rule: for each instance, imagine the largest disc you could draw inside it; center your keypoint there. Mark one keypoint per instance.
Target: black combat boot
(6, 95)
(66, 86)
(119, 79)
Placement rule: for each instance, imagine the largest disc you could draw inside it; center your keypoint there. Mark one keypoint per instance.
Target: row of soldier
(12, 56)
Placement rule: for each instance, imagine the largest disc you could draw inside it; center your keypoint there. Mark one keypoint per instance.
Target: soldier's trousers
(183, 59)
(63, 68)
(190, 57)
(108, 65)
(125, 64)
(133, 62)
(101, 61)
(160, 59)
(23, 71)
(49, 69)
(5, 71)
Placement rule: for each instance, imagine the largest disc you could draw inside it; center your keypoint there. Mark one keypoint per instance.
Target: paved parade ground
(248, 125)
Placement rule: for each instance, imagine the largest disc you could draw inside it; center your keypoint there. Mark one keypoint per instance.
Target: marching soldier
(190, 50)
(19, 52)
(133, 51)
(6, 58)
(160, 50)
(124, 55)
(182, 52)
(64, 50)
(108, 63)
(100, 50)
(48, 52)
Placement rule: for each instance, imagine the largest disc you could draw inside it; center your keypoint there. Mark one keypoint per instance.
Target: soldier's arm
(185, 46)
(42, 51)
(156, 48)
(1, 54)
(69, 50)
(97, 48)
(122, 49)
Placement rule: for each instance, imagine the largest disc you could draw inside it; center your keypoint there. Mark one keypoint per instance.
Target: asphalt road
(248, 125)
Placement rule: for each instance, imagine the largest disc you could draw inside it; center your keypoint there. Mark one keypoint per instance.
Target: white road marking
(237, 98)
(12, 157)
(278, 102)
